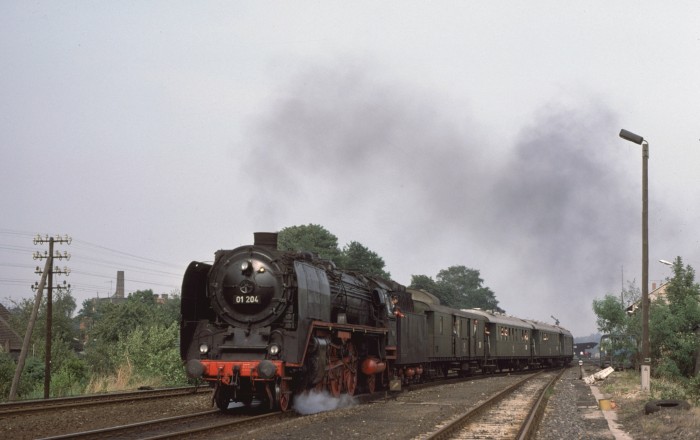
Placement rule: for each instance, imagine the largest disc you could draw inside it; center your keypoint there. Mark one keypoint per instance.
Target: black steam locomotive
(266, 324)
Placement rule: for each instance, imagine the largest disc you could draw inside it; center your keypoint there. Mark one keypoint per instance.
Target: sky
(437, 134)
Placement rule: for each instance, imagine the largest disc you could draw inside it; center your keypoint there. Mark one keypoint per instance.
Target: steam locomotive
(264, 324)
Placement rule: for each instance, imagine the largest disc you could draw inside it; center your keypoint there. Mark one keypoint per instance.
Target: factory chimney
(120, 284)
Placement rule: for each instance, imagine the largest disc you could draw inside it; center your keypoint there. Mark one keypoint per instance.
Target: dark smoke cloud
(392, 161)
(342, 138)
(562, 191)
(563, 203)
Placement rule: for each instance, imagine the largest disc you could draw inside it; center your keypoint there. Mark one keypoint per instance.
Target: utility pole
(30, 329)
(49, 294)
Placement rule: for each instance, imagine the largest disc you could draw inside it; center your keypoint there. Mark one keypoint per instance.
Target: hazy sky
(482, 134)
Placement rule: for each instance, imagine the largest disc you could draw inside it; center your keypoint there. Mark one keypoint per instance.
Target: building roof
(657, 293)
(585, 345)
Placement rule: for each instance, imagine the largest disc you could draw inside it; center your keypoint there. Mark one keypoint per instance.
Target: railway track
(512, 413)
(239, 421)
(183, 426)
(30, 406)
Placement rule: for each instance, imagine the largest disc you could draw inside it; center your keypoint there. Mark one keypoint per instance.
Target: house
(656, 293)
(10, 341)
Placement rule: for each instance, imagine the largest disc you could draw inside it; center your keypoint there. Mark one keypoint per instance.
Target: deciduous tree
(459, 287)
(355, 256)
(310, 238)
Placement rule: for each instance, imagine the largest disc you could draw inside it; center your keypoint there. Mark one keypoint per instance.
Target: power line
(87, 257)
(150, 260)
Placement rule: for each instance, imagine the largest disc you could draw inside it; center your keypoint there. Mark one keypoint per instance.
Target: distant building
(10, 341)
(656, 293)
(116, 298)
(585, 349)
(120, 285)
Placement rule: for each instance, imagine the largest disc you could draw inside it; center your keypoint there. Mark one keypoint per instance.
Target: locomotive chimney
(265, 239)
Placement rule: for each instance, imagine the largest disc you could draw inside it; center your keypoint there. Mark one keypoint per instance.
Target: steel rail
(534, 417)
(456, 425)
(116, 430)
(29, 406)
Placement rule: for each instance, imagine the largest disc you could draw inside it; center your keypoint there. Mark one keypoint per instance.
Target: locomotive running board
(349, 327)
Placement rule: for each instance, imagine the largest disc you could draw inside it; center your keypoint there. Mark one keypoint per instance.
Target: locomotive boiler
(264, 324)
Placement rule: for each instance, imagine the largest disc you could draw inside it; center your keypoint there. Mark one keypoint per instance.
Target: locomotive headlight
(246, 266)
(203, 349)
(274, 349)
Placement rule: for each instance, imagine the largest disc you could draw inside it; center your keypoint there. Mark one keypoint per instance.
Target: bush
(664, 388)
(70, 379)
(7, 374)
(668, 369)
(154, 354)
(145, 356)
(693, 390)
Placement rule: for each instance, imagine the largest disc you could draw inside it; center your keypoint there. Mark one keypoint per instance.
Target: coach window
(441, 325)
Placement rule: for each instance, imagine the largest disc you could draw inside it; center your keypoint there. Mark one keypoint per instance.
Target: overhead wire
(85, 258)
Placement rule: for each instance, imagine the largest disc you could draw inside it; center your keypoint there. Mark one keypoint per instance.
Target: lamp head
(629, 136)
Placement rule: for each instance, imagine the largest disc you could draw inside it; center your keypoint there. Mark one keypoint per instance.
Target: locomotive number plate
(247, 299)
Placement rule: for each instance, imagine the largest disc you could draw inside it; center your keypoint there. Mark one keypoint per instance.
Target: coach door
(476, 338)
(460, 332)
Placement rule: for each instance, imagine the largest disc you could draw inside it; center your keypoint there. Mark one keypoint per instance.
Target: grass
(123, 380)
(625, 389)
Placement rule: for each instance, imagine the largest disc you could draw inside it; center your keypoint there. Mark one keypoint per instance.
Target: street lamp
(646, 359)
(666, 262)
